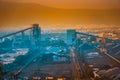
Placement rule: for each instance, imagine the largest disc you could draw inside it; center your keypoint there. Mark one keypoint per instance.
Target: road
(76, 67)
(111, 57)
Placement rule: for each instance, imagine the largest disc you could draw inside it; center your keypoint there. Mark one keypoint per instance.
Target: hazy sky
(89, 4)
(26, 12)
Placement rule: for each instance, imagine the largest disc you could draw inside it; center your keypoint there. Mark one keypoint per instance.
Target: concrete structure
(36, 31)
(71, 37)
(36, 35)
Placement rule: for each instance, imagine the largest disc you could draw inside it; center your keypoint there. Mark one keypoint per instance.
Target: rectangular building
(71, 36)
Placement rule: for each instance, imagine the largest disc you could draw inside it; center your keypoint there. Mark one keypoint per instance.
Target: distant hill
(14, 14)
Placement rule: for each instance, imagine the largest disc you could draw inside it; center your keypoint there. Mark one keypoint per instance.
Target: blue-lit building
(71, 36)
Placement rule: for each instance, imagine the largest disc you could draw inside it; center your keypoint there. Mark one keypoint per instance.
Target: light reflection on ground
(10, 56)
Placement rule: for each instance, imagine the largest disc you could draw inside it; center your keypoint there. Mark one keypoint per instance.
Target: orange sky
(73, 4)
(51, 12)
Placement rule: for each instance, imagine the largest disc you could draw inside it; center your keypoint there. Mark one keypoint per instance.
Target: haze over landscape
(58, 13)
(59, 40)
